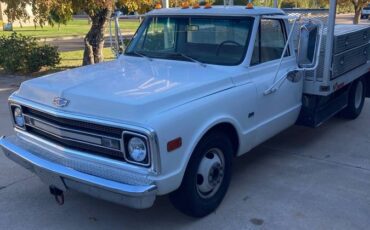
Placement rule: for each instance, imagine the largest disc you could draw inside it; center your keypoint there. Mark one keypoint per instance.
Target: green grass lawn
(77, 27)
(72, 59)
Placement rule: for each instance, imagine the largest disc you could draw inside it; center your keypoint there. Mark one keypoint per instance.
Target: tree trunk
(357, 17)
(94, 40)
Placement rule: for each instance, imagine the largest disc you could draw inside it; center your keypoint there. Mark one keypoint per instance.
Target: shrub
(20, 53)
(42, 56)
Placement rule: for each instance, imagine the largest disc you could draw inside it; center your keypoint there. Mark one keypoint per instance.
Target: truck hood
(127, 89)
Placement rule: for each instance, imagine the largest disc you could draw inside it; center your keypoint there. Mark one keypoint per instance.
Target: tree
(61, 14)
(100, 13)
(140, 6)
(358, 6)
(16, 10)
(61, 11)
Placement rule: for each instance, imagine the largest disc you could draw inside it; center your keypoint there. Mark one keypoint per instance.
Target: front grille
(69, 123)
(73, 134)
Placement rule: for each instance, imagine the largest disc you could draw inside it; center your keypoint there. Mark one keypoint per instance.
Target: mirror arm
(111, 37)
(115, 45)
(285, 48)
(276, 85)
(119, 33)
(273, 88)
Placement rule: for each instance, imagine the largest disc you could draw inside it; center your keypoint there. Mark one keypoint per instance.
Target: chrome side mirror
(308, 46)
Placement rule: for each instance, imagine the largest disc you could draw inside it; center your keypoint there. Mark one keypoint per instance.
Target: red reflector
(174, 144)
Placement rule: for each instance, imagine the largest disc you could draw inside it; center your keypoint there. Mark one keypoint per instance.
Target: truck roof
(218, 11)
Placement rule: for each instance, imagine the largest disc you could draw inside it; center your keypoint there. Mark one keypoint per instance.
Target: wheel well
(367, 78)
(230, 131)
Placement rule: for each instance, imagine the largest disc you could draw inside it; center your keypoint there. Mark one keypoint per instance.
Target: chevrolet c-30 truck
(196, 87)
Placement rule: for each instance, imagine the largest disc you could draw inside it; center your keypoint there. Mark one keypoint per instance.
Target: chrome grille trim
(69, 134)
(75, 124)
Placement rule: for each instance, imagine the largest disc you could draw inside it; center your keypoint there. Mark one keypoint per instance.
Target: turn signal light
(196, 5)
(208, 5)
(250, 5)
(158, 6)
(174, 144)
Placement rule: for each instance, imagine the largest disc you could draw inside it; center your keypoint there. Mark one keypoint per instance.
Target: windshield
(217, 40)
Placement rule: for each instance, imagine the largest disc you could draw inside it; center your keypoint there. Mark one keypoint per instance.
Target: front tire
(207, 177)
(356, 100)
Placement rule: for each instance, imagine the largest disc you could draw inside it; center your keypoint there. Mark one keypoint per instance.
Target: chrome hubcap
(358, 95)
(210, 173)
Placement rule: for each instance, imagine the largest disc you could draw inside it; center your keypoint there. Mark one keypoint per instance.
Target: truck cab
(196, 87)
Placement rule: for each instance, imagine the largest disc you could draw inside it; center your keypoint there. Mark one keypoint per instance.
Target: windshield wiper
(138, 53)
(189, 58)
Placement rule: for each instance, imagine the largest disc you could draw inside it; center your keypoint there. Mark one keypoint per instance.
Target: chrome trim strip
(72, 130)
(50, 129)
(67, 134)
(33, 163)
(130, 126)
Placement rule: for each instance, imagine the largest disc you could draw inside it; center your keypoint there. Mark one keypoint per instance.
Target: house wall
(1, 11)
(4, 18)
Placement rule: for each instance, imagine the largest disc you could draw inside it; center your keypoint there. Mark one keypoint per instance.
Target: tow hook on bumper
(58, 194)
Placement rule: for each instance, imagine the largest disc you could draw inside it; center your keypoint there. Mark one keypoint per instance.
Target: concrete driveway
(301, 179)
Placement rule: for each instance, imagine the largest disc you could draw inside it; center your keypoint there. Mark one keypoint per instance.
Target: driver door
(277, 110)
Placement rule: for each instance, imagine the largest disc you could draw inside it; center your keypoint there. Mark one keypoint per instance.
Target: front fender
(191, 122)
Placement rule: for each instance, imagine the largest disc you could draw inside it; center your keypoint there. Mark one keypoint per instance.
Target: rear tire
(356, 100)
(207, 177)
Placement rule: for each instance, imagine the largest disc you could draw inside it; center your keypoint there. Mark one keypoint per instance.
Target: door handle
(293, 76)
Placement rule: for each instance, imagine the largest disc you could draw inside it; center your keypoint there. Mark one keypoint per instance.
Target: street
(301, 179)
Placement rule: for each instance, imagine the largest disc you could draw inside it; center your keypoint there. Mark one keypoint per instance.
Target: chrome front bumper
(64, 178)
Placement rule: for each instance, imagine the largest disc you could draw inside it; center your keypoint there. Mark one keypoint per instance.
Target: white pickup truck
(196, 87)
(365, 12)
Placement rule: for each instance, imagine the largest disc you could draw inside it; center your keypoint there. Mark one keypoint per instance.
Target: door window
(270, 41)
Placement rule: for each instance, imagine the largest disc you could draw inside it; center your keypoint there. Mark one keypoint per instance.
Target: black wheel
(207, 177)
(356, 100)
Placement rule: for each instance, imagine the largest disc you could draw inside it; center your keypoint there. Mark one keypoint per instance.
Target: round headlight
(137, 149)
(18, 117)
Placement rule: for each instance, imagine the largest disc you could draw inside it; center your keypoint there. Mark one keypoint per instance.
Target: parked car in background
(365, 12)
